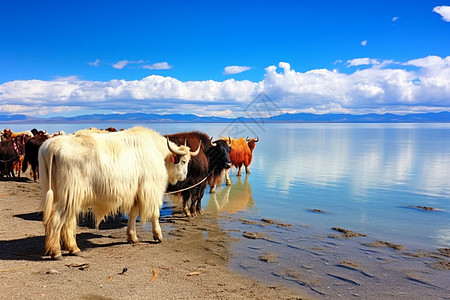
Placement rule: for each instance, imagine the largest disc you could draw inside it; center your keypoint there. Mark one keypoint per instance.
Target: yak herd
(127, 171)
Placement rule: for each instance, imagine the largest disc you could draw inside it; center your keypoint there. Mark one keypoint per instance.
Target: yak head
(177, 162)
(252, 143)
(219, 155)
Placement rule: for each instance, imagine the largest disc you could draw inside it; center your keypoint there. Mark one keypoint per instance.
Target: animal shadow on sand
(35, 216)
(31, 248)
(16, 179)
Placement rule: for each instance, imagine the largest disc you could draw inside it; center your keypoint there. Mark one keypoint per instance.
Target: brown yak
(241, 154)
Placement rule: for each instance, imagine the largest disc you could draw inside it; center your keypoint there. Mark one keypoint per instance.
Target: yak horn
(212, 144)
(173, 150)
(247, 139)
(229, 141)
(197, 151)
(257, 139)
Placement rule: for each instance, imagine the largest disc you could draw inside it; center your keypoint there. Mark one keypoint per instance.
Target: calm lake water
(365, 177)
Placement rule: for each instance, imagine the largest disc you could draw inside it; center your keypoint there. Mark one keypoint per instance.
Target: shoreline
(208, 257)
(183, 266)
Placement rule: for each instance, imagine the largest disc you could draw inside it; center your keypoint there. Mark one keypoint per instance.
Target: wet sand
(214, 256)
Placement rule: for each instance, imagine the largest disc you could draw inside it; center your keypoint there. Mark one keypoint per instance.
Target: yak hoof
(78, 253)
(133, 240)
(158, 238)
(57, 257)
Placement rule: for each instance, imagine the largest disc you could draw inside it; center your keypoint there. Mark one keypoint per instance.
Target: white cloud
(444, 11)
(120, 64)
(362, 61)
(158, 66)
(67, 78)
(235, 70)
(378, 87)
(430, 62)
(363, 43)
(223, 113)
(95, 63)
(394, 19)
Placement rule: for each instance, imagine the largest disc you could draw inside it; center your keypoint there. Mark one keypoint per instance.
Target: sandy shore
(209, 257)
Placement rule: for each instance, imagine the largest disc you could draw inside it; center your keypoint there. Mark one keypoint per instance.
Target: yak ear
(175, 159)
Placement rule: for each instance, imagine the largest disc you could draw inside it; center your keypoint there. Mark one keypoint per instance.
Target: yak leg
(239, 171)
(199, 206)
(194, 200)
(227, 177)
(247, 170)
(247, 163)
(68, 236)
(186, 196)
(33, 171)
(198, 203)
(52, 235)
(131, 228)
(157, 233)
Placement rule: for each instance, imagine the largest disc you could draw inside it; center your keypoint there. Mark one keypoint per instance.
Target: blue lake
(364, 177)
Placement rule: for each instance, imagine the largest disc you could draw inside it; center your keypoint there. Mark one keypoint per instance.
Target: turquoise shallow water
(365, 177)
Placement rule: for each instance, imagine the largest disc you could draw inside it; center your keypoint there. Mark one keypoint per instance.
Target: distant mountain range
(190, 118)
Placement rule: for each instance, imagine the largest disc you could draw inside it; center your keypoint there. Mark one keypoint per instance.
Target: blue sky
(214, 58)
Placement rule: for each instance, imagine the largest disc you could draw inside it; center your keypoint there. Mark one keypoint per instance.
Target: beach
(201, 258)
(181, 267)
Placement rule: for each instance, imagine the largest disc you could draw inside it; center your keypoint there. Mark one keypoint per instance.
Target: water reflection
(443, 236)
(362, 175)
(232, 199)
(364, 158)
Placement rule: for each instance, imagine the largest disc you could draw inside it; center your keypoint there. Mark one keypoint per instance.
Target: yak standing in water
(241, 154)
(205, 168)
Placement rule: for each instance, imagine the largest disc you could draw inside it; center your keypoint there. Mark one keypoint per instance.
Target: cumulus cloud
(421, 84)
(444, 11)
(362, 61)
(430, 62)
(158, 66)
(235, 70)
(67, 78)
(138, 95)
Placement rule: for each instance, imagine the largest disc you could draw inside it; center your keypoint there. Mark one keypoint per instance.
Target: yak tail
(48, 205)
(25, 163)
